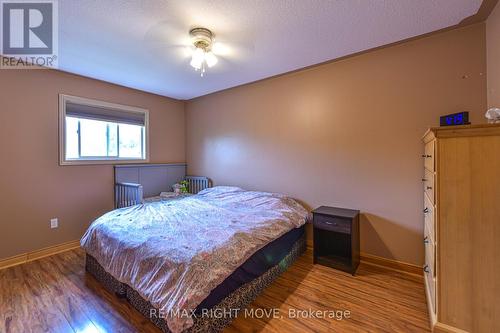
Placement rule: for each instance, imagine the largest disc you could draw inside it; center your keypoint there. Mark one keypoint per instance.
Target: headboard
(154, 178)
(134, 182)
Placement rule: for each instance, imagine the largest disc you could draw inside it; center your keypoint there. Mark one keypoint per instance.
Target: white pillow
(220, 190)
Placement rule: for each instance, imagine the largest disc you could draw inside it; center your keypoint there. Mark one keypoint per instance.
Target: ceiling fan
(203, 56)
(198, 46)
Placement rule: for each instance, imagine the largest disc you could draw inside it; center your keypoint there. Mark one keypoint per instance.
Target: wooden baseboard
(38, 254)
(49, 251)
(443, 328)
(391, 264)
(13, 261)
(374, 260)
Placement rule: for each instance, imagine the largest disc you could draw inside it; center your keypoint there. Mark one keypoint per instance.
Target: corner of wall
(493, 57)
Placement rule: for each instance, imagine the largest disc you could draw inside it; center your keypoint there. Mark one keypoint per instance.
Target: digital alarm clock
(461, 118)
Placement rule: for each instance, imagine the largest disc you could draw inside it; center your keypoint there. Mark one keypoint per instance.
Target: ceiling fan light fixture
(197, 59)
(202, 56)
(211, 59)
(195, 64)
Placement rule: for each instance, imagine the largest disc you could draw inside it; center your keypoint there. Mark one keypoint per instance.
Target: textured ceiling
(142, 44)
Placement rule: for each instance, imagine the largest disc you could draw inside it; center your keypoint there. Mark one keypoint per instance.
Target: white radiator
(130, 194)
(197, 183)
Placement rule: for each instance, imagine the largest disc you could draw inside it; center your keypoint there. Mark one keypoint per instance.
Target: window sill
(102, 162)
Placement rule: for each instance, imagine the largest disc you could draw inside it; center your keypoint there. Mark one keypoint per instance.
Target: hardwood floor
(55, 295)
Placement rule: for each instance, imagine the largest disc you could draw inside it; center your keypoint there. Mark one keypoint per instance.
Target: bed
(190, 265)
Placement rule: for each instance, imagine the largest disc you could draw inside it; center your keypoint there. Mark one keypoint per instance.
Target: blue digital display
(455, 120)
(461, 118)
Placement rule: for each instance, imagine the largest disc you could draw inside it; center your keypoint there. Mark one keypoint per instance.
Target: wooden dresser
(462, 227)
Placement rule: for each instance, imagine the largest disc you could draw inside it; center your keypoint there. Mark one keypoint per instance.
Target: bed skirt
(237, 300)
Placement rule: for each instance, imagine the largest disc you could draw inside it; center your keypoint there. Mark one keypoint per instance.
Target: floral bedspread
(174, 253)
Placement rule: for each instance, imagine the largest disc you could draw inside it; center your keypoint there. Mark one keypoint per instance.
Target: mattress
(259, 263)
(176, 254)
(238, 299)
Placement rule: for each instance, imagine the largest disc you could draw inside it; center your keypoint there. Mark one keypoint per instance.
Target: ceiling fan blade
(168, 36)
(230, 50)
(168, 33)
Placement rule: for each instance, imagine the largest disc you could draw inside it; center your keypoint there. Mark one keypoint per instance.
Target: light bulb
(198, 58)
(211, 59)
(195, 64)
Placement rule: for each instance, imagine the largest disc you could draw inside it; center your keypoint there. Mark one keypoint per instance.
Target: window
(95, 132)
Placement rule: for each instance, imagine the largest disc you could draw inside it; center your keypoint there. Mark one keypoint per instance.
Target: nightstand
(336, 238)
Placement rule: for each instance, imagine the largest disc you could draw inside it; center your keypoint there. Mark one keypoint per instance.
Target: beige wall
(346, 133)
(493, 56)
(33, 187)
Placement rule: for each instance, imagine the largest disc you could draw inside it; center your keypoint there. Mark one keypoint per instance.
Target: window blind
(105, 114)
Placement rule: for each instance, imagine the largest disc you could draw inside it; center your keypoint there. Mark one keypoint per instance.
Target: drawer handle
(330, 223)
(426, 240)
(426, 210)
(424, 180)
(429, 187)
(426, 269)
(426, 156)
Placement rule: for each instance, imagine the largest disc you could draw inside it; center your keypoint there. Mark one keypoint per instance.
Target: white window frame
(64, 99)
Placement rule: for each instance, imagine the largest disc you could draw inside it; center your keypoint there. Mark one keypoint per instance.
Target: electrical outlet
(54, 223)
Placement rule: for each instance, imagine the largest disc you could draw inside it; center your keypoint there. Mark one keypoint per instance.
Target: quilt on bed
(175, 253)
